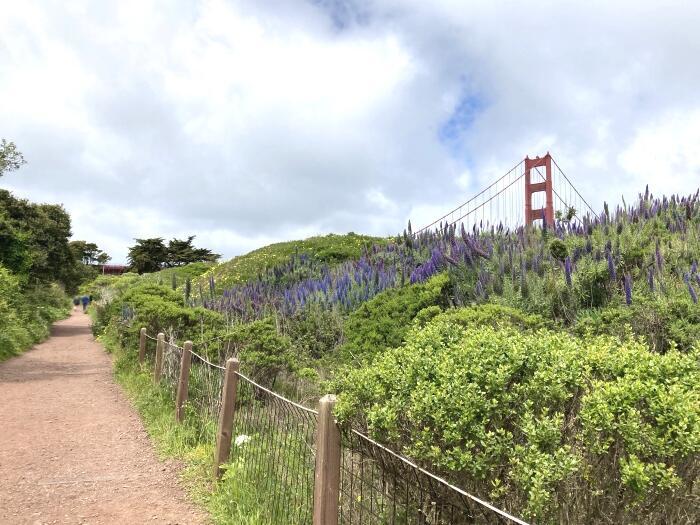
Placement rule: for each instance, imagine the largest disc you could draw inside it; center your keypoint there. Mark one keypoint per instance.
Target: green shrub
(383, 321)
(263, 352)
(159, 309)
(26, 313)
(664, 323)
(493, 315)
(315, 331)
(558, 250)
(544, 424)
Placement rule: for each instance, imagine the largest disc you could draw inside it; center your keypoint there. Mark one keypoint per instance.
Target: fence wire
(379, 487)
(172, 357)
(205, 385)
(150, 355)
(273, 453)
(273, 458)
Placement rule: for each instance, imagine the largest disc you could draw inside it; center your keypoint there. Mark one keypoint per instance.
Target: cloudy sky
(246, 122)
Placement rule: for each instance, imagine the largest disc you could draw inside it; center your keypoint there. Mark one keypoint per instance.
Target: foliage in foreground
(557, 428)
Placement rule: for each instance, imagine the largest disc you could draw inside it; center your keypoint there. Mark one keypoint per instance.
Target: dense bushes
(34, 242)
(382, 322)
(26, 314)
(159, 309)
(663, 323)
(552, 427)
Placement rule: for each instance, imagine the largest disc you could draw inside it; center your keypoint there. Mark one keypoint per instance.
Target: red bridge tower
(546, 213)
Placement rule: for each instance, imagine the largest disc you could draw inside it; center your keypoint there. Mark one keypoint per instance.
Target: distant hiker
(76, 302)
(85, 300)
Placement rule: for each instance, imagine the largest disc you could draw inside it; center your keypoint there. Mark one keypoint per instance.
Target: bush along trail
(74, 450)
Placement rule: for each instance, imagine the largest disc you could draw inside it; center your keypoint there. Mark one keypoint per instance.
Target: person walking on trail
(76, 302)
(85, 300)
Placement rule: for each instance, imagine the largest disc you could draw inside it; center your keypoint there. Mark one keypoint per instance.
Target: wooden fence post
(327, 475)
(158, 369)
(228, 405)
(183, 383)
(142, 345)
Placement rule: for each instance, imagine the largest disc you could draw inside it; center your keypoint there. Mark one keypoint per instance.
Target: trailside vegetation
(26, 312)
(36, 264)
(556, 428)
(553, 371)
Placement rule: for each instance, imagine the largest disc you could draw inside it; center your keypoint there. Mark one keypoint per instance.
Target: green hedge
(550, 426)
(27, 313)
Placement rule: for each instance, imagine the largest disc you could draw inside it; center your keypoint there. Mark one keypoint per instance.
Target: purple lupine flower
(628, 289)
(694, 268)
(659, 256)
(450, 260)
(691, 290)
(611, 266)
(650, 279)
(567, 271)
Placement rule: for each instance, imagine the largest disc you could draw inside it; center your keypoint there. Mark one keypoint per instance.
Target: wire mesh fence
(378, 487)
(172, 357)
(273, 453)
(273, 457)
(150, 354)
(206, 382)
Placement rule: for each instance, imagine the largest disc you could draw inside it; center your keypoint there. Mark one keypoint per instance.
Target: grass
(181, 273)
(229, 501)
(328, 248)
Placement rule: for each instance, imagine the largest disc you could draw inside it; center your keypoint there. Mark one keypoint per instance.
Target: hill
(553, 371)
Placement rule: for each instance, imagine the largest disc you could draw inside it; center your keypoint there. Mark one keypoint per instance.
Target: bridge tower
(546, 213)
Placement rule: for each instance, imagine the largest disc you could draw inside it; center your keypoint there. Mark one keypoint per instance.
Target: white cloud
(666, 153)
(247, 122)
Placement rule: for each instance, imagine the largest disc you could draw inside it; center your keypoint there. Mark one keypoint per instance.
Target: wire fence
(205, 386)
(378, 486)
(274, 457)
(274, 452)
(172, 357)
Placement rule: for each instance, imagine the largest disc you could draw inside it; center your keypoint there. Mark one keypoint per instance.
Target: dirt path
(72, 449)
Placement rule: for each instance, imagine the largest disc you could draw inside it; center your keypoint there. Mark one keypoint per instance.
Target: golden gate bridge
(533, 192)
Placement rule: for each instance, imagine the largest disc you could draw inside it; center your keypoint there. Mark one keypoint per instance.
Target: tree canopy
(34, 241)
(10, 157)
(89, 253)
(151, 255)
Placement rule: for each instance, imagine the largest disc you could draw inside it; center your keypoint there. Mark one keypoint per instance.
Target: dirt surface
(72, 448)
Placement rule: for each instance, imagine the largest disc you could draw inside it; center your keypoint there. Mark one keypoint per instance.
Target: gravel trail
(72, 448)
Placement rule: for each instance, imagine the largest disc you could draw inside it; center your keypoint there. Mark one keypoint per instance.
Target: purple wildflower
(628, 289)
(691, 290)
(650, 279)
(659, 256)
(611, 266)
(567, 271)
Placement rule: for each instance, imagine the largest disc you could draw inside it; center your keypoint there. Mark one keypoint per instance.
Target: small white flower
(240, 440)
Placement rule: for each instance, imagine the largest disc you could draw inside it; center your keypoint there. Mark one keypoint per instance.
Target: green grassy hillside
(551, 371)
(328, 248)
